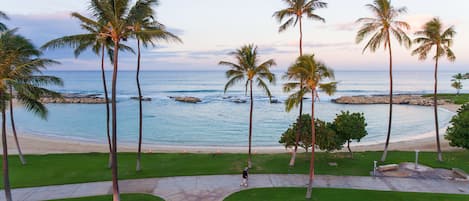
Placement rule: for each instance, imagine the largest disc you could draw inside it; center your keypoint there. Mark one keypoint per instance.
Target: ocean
(217, 120)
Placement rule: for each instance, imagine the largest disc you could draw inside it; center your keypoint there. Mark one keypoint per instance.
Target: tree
(295, 11)
(288, 138)
(327, 138)
(433, 35)
(145, 29)
(3, 27)
(350, 126)
(457, 82)
(381, 28)
(458, 133)
(20, 69)
(98, 42)
(247, 68)
(306, 69)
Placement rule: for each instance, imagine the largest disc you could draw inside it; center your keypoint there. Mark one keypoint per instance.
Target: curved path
(217, 187)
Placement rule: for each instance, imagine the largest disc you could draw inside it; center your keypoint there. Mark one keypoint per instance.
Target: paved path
(217, 187)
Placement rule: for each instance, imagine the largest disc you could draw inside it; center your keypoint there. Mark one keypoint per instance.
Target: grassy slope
(298, 194)
(124, 197)
(456, 99)
(77, 168)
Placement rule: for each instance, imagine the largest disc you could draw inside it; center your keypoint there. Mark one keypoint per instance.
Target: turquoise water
(217, 121)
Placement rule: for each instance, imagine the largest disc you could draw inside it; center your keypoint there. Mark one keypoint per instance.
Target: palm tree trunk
(6, 178)
(106, 98)
(140, 131)
(349, 150)
(297, 137)
(313, 142)
(298, 129)
(301, 36)
(115, 183)
(13, 128)
(250, 126)
(388, 136)
(435, 106)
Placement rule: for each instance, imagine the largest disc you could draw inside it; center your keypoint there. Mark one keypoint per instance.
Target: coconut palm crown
(435, 37)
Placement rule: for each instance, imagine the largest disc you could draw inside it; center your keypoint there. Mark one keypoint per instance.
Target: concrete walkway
(217, 187)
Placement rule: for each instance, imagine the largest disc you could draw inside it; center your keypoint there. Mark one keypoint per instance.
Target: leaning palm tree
(433, 35)
(312, 72)
(248, 68)
(294, 12)
(3, 27)
(382, 27)
(20, 68)
(147, 31)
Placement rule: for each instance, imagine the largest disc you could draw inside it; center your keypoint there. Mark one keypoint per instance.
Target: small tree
(456, 82)
(288, 138)
(350, 126)
(458, 133)
(327, 138)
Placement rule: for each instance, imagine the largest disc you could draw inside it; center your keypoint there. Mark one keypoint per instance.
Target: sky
(210, 29)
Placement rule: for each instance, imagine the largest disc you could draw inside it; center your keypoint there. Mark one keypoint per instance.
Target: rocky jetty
(186, 99)
(75, 99)
(143, 98)
(383, 99)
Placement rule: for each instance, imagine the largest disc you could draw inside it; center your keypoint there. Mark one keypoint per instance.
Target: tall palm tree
(434, 35)
(248, 68)
(381, 28)
(146, 30)
(100, 44)
(20, 68)
(312, 72)
(294, 12)
(3, 27)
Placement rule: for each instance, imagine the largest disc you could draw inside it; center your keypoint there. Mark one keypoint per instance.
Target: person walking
(245, 177)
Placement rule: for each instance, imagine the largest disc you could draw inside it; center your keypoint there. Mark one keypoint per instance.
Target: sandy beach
(34, 144)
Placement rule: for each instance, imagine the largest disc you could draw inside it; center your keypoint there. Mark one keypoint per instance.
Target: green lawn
(124, 197)
(329, 194)
(456, 99)
(56, 169)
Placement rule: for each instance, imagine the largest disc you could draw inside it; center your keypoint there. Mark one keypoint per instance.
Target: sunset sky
(212, 28)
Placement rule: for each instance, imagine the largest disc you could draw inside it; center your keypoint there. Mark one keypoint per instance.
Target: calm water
(217, 121)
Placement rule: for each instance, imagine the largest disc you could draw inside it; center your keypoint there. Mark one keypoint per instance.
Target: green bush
(289, 136)
(458, 132)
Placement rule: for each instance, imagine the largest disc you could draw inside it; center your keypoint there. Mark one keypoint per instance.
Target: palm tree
(247, 67)
(381, 27)
(99, 43)
(457, 82)
(433, 35)
(294, 12)
(312, 73)
(145, 29)
(3, 27)
(20, 68)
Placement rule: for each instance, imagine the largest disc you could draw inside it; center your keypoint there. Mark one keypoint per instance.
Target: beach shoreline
(38, 144)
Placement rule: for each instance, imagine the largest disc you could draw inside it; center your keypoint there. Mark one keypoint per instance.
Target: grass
(124, 197)
(329, 194)
(453, 98)
(55, 169)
